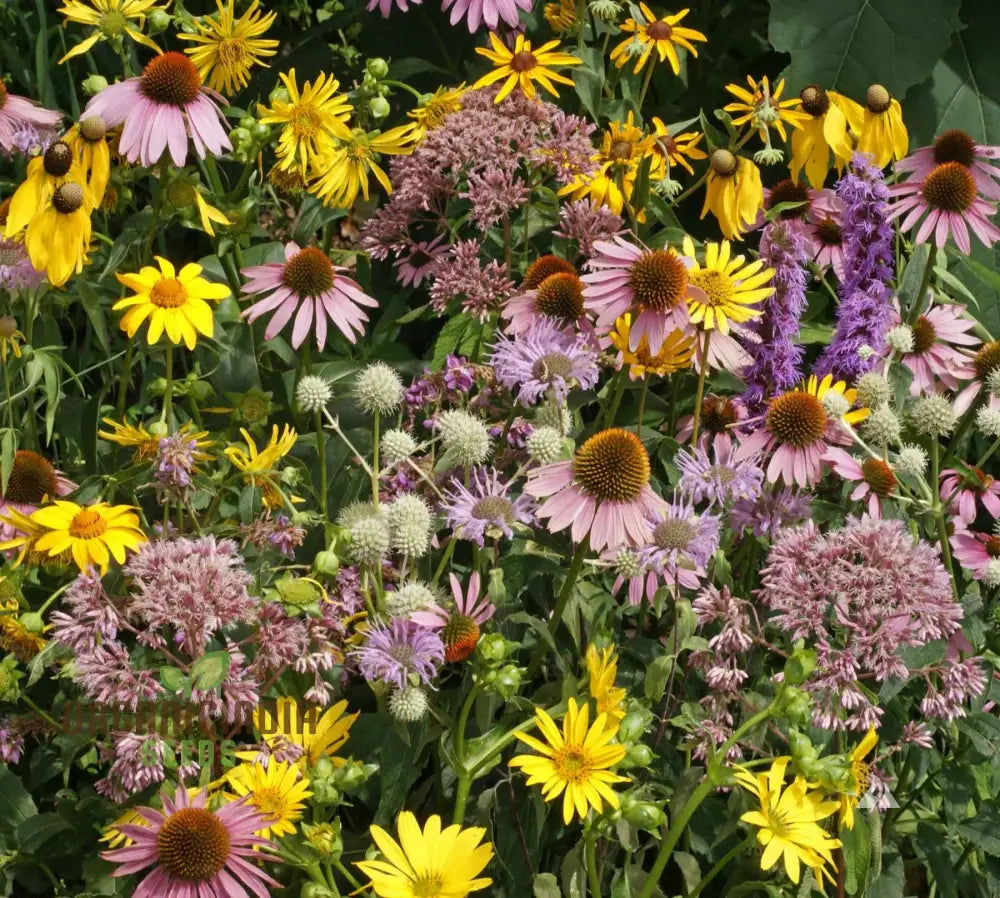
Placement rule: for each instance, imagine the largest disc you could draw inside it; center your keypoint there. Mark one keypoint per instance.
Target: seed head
(408, 598)
(882, 427)
(988, 421)
(900, 338)
(545, 445)
(313, 393)
(993, 382)
(409, 704)
(934, 416)
(465, 437)
(912, 460)
(873, 390)
(991, 577)
(835, 404)
(370, 540)
(410, 525)
(397, 446)
(865, 352)
(627, 564)
(556, 417)
(378, 389)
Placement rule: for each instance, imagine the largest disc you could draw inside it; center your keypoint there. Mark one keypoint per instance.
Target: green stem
(375, 437)
(8, 392)
(925, 281)
(567, 590)
(343, 871)
(416, 93)
(700, 394)
(939, 514)
(321, 453)
(642, 407)
(124, 379)
(40, 712)
(645, 84)
(590, 851)
(619, 389)
(464, 783)
(463, 719)
(720, 865)
(168, 393)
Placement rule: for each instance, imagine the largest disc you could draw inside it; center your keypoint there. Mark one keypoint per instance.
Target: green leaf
(16, 805)
(857, 850)
(36, 831)
(173, 680)
(983, 830)
(210, 670)
(657, 675)
(8, 446)
(983, 731)
(449, 338)
(588, 79)
(851, 44)
(545, 886)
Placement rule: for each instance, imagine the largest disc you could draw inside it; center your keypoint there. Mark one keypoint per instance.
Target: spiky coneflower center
(877, 99)
(31, 479)
(543, 267)
(309, 272)
(87, 524)
(67, 198)
(621, 149)
(987, 359)
(723, 163)
(612, 466)
(57, 159)
(879, 477)
(829, 232)
(796, 419)
(523, 62)
(954, 146)
(718, 414)
(992, 546)
(493, 508)
(460, 636)
(949, 187)
(168, 293)
(660, 30)
(171, 79)
(418, 258)
(924, 335)
(551, 366)
(193, 844)
(675, 533)
(815, 100)
(560, 296)
(788, 191)
(658, 280)
(3, 95)
(8, 327)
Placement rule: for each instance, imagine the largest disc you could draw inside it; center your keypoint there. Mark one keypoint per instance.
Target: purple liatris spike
(865, 313)
(777, 356)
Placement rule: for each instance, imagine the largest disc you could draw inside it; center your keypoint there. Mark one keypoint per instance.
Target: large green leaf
(850, 44)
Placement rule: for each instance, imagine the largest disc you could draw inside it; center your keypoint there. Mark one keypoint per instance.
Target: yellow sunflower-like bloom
(109, 19)
(602, 668)
(15, 638)
(259, 466)
(345, 168)
(788, 822)
(432, 112)
(113, 836)
(861, 774)
(824, 130)
(140, 440)
(677, 149)
(652, 33)
(676, 353)
(733, 193)
(90, 534)
(90, 150)
(319, 735)
(819, 389)
(574, 763)
(445, 863)
(310, 119)
(277, 791)
(174, 302)
(728, 288)
(882, 133)
(764, 108)
(228, 48)
(522, 67)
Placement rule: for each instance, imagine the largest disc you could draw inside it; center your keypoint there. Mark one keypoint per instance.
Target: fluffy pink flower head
(603, 491)
(874, 477)
(964, 492)
(476, 12)
(308, 285)
(17, 113)
(196, 852)
(935, 356)
(651, 283)
(160, 109)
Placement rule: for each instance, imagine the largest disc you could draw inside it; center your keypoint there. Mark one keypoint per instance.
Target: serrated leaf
(983, 830)
(449, 338)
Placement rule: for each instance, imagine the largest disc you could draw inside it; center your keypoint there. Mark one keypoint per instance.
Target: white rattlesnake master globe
(410, 525)
(912, 460)
(397, 445)
(378, 389)
(934, 416)
(464, 437)
(409, 704)
(313, 393)
(545, 445)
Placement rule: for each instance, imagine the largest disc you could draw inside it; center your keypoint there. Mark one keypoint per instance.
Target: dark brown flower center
(418, 258)
(877, 99)
(987, 359)
(815, 100)
(309, 272)
(829, 232)
(660, 30)
(796, 419)
(523, 62)
(658, 280)
(924, 335)
(32, 478)
(171, 78)
(954, 146)
(543, 267)
(718, 414)
(878, 475)
(620, 149)
(612, 466)
(58, 159)
(787, 191)
(560, 296)
(992, 546)
(193, 844)
(551, 366)
(67, 198)
(8, 327)
(723, 163)
(4, 210)
(3, 95)
(493, 508)
(949, 187)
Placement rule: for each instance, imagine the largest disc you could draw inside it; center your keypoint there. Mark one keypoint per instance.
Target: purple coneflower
(459, 628)
(935, 356)
(551, 289)
(385, 6)
(544, 358)
(160, 109)
(476, 12)
(196, 852)
(417, 265)
(957, 146)
(391, 653)
(967, 491)
(485, 506)
(308, 285)
(722, 480)
(875, 478)
(17, 112)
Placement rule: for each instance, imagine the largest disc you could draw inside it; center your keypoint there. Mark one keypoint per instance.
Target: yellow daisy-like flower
(144, 444)
(319, 737)
(90, 150)
(109, 19)
(174, 302)
(311, 118)
(727, 287)
(678, 148)
(431, 113)
(764, 108)
(428, 863)
(522, 66)
(676, 353)
(345, 169)
(733, 193)
(574, 763)
(561, 15)
(653, 33)
(114, 837)
(278, 791)
(861, 774)
(208, 213)
(828, 116)
(229, 47)
(91, 534)
(15, 638)
(259, 466)
(788, 821)
(602, 668)
(882, 133)
(819, 388)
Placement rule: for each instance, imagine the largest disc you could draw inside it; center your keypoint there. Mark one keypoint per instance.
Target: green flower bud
(315, 890)
(323, 768)
(801, 746)
(637, 756)
(508, 681)
(377, 67)
(493, 647)
(795, 704)
(260, 131)
(496, 589)
(645, 815)
(799, 666)
(279, 95)
(32, 622)
(240, 137)
(158, 21)
(94, 84)
(326, 562)
(631, 727)
(379, 107)
(248, 121)
(158, 429)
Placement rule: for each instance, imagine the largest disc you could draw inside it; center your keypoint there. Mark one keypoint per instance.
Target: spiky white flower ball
(627, 564)
(873, 390)
(378, 389)
(900, 338)
(991, 576)
(397, 446)
(993, 382)
(865, 352)
(408, 598)
(912, 460)
(605, 10)
(370, 540)
(545, 445)
(410, 525)
(882, 427)
(556, 417)
(988, 421)
(409, 704)
(835, 404)
(313, 393)
(464, 437)
(357, 511)
(934, 416)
